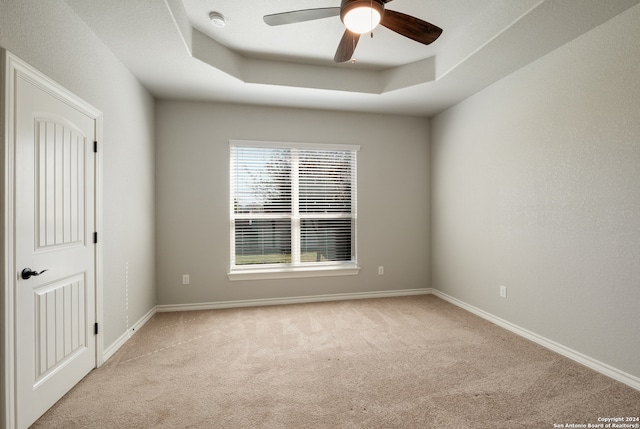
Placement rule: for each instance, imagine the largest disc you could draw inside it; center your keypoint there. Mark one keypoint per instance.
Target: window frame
(292, 270)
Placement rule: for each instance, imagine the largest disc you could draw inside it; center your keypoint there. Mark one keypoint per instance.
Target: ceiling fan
(361, 16)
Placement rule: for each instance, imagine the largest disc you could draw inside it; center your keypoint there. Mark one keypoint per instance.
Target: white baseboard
(128, 334)
(292, 300)
(603, 368)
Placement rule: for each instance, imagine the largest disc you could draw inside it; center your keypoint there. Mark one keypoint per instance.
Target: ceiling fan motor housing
(348, 5)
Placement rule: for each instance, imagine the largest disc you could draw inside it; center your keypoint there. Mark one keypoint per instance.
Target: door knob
(27, 273)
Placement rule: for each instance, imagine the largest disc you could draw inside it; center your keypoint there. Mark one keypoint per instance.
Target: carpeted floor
(409, 362)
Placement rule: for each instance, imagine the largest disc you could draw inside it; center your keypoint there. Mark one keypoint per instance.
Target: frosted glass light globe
(362, 19)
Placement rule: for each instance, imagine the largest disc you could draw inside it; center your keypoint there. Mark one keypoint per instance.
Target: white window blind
(292, 205)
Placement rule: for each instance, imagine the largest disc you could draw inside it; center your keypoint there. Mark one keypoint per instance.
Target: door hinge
(95, 328)
(95, 146)
(95, 237)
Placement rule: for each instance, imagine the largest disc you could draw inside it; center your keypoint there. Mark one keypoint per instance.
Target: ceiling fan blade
(411, 27)
(347, 46)
(301, 15)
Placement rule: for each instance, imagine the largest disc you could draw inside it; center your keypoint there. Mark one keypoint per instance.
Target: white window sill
(290, 273)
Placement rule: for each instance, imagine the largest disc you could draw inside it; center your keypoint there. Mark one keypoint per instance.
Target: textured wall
(51, 37)
(192, 185)
(536, 186)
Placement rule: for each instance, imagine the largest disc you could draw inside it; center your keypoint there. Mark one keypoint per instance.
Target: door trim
(10, 68)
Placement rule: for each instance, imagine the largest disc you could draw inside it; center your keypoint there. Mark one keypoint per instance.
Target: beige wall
(536, 186)
(51, 37)
(192, 204)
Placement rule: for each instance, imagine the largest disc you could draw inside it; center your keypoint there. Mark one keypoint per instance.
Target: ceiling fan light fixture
(362, 19)
(361, 16)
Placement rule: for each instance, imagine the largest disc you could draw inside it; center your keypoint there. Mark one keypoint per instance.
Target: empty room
(320, 214)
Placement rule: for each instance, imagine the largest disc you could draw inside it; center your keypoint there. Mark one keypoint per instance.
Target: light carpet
(408, 362)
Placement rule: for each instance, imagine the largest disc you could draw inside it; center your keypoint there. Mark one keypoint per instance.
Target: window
(293, 210)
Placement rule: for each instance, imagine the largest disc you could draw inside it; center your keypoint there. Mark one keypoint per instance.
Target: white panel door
(54, 314)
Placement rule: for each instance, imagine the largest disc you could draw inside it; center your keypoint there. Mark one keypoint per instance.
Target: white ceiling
(316, 41)
(176, 53)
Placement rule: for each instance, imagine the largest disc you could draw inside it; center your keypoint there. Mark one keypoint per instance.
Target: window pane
(292, 204)
(262, 181)
(325, 181)
(325, 240)
(263, 241)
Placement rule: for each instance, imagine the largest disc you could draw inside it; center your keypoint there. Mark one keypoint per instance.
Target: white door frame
(11, 67)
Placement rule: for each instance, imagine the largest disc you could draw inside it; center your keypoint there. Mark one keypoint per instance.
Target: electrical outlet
(185, 279)
(503, 291)
(380, 270)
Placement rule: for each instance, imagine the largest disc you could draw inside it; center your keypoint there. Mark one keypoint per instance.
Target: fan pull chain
(371, 18)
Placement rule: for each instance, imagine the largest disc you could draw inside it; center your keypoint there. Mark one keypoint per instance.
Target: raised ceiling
(172, 48)
(316, 41)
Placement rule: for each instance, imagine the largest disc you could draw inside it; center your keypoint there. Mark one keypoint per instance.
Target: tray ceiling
(175, 51)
